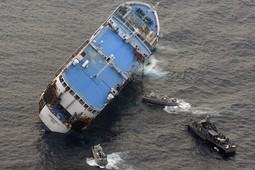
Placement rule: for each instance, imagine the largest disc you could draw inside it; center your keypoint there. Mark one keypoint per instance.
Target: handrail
(72, 56)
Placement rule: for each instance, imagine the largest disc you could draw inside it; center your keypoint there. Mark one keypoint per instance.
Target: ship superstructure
(100, 68)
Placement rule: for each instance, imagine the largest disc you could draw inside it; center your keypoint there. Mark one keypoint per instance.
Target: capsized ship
(100, 68)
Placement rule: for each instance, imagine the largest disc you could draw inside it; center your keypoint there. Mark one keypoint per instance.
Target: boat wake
(185, 107)
(182, 107)
(114, 161)
(152, 68)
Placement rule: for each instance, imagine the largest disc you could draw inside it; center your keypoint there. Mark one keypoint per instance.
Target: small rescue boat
(165, 100)
(99, 155)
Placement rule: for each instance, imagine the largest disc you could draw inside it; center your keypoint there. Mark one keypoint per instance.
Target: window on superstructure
(90, 109)
(61, 78)
(71, 92)
(117, 87)
(64, 84)
(77, 97)
(94, 111)
(67, 88)
(86, 106)
(81, 102)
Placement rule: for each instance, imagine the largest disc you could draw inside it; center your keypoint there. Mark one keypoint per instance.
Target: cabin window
(117, 87)
(77, 97)
(71, 92)
(67, 88)
(94, 111)
(81, 102)
(64, 84)
(61, 79)
(90, 109)
(86, 106)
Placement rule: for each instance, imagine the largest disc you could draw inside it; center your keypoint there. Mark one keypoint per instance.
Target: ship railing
(72, 56)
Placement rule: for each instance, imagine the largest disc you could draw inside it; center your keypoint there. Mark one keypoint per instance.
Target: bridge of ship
(111, 63)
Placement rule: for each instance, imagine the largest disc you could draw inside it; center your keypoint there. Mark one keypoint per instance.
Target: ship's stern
(52, 122)
(51, 117)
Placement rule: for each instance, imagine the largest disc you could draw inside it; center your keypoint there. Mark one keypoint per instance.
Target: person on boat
(207, 118)
(173, 100)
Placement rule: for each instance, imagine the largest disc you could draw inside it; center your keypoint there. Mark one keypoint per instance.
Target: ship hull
(100, 68)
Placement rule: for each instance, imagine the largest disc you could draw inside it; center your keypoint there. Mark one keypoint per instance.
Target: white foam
(182, 107)
(91, 162)
(151, 68)
(185, 107)
(113, 160)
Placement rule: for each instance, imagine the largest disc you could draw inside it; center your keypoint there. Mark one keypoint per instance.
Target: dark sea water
(205, 58)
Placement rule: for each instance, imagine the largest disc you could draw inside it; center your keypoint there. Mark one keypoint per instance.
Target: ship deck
(99, 76)
(111, 62)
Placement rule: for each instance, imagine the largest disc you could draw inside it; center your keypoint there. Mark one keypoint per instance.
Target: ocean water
(205, 58)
